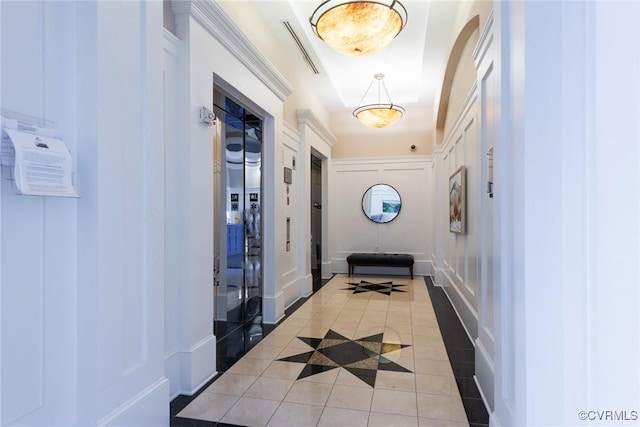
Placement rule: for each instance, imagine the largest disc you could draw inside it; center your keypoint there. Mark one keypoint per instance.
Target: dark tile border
(461, 355)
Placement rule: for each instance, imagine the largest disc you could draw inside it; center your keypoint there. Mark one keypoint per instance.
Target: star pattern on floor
(362, 357)
(365, 286)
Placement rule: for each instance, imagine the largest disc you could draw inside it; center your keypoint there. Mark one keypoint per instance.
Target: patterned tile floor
(362, 351)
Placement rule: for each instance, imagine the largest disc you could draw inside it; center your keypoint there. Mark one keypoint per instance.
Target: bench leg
(411, 271)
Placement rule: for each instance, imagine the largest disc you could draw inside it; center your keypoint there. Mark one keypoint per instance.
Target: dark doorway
(316, 221)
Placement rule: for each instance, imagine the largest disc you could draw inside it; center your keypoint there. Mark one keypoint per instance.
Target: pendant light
(358, 27)
(378, 115)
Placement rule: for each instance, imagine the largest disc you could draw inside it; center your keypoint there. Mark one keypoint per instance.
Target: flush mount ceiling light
(378, 115)
(358, 27)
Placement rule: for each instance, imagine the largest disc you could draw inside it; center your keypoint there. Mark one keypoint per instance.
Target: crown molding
(214, 19)
(306, 117)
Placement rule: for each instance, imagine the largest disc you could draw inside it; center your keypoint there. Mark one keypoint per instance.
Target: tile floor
(361, 351)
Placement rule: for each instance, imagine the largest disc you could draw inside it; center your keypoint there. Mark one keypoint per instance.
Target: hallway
(362, 351)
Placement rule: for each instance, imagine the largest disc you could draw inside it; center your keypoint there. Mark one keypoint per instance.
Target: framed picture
(457, 201)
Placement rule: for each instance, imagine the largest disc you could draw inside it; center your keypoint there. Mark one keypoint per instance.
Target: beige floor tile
(247, 366)
(391, 380)
(432, 367)
(269, 388)
(394, 402)
(296, 415)
(436, 384)
(403, 358)
(283, 370)
(286, 330)
(397, 336)
(431, 350)
(266, 352)
(358, 304)
(347, 378)
(399, 308)
(448, 408)
(209, 406)
(346, 329)
(293, 349)
(228, 383)
(278, 340)
(314, 330)
(309, 392)
(350, 315)
(430, 422)
(348, 397)
(404, 297)
(340, 417)
(378, 305)
(377, 419)
(295, 321)
(430, 332)
(368, 329)
(434, 340)
(327, 377)
(399, 321)
(251, 412)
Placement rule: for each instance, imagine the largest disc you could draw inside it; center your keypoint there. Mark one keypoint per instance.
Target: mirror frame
(364, 211)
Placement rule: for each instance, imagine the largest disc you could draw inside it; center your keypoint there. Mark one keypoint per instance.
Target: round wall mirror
(381, 203)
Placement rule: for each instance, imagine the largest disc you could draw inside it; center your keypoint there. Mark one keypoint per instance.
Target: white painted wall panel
(354, 232)
(38, 234)
(171, 207)
(121, 232)
(488, 117)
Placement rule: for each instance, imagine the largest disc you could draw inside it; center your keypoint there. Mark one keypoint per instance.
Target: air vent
(305, 54)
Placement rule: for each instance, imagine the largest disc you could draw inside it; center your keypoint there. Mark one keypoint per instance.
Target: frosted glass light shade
(358, 27)
(379, 116)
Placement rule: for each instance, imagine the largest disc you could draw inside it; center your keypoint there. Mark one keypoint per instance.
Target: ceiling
(413, 64)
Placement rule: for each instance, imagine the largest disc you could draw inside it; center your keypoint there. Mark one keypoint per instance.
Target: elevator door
(316, 222)
(238, 293)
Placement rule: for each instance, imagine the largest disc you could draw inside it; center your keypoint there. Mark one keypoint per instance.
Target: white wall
(351, 231)
(567, 320)
(457, 260)
(317, 140)
(38, 261)
(82, 314)
(289, 204)
(212, 49)
(488, 72)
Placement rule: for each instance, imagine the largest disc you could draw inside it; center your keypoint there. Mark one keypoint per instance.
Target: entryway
(238, 284)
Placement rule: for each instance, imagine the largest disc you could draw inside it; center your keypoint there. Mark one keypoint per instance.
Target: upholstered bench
(380, 260)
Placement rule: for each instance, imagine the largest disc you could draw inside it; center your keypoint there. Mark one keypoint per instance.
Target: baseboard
(494, 421)
(148, 408)
(465, 311)
(273, 307)
(172, 372)
(306, 285)
(484, 376)
(197, 365)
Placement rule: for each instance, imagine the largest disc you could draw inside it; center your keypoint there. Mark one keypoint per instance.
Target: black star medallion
(382, 288)
(362, 357)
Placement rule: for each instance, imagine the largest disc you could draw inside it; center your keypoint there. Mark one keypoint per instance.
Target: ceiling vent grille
(305, 54)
